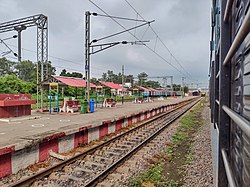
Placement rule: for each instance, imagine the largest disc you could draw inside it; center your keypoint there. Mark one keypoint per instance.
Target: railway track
(91, 167)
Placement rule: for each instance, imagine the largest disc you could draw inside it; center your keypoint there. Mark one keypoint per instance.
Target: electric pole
(19, 29)
(182, 85)
(122, 75)
(87, 54)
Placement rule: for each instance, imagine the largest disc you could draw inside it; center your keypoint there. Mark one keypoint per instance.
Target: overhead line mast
(90, 45)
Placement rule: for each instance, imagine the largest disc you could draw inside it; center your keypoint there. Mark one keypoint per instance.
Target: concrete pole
(87, 53)
(122, 75)
(19, 45)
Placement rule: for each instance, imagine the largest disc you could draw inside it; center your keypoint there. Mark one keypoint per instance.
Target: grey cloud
(182, 25)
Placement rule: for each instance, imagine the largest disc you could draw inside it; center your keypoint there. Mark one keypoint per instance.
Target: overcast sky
(183, 26)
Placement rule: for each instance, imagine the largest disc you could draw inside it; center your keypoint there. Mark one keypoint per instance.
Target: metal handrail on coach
(241, 35)
(228, 169)
(239, 120)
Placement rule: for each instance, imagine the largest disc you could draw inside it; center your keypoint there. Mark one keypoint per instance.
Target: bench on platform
(138, 100)
(73, 106)
(109, 102)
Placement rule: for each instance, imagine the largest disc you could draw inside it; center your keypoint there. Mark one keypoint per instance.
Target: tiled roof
(143, 88)
(112, 85)
(73, 81)
(153, 90)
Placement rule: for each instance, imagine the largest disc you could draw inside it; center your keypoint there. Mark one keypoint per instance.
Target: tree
(186, 89)
(51, 69)
(26, 71)
(47, 68)
(73, 74)
(76, 74)
(104, 77)
(63, 73)
(152, 84)
(111, 77)
(93, 80)
(176, 87)
(130, 79)
(12, 84)
(142, 77)
(6, 67)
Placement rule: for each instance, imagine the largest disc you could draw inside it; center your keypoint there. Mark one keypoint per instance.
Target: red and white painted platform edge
(27, 150)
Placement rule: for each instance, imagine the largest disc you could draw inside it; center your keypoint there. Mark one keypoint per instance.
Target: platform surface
(27, 129)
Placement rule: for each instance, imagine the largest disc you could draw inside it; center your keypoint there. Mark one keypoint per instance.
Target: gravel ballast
(199, 170)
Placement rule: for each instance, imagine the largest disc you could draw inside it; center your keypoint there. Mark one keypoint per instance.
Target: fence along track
(92, 166)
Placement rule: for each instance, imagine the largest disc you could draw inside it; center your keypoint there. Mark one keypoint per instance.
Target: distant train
(165, 93)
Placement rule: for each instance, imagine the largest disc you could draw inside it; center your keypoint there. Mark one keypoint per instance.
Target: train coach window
(247, 65)
(247, 44)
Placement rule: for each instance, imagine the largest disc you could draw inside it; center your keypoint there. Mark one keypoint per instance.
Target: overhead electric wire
(117, 17)
(126, 30)
(138, 38)
(57, 58)
(2, 41)
(159, 38)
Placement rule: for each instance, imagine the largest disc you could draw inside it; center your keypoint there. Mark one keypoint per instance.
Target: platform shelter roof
(143, 88)
(112, 85)
(68, 81)
(153, 90)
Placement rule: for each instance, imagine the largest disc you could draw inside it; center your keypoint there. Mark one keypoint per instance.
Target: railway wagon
(230, 91)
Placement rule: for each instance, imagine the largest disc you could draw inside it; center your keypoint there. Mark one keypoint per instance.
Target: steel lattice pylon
(41, 22)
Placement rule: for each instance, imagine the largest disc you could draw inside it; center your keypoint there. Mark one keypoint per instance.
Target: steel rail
(28, 181)
(110, 169)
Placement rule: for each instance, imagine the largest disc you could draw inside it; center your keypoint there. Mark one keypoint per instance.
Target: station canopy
(143, 88)
(112, 85)
(153, 90)
(67, 81)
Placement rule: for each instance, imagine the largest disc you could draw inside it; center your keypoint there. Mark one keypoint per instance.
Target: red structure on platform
(14, 105)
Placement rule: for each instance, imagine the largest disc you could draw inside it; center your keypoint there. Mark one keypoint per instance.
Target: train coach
(230, 91)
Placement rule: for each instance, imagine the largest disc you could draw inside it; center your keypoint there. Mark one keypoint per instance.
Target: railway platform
(28, 140)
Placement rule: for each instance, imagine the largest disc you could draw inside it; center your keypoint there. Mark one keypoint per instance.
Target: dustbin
(91, 105)
(84, 106)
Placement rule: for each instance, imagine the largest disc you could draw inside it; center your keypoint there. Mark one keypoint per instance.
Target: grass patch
(166, 169)
(150, 177)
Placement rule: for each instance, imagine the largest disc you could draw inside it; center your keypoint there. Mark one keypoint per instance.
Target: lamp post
(19, 29)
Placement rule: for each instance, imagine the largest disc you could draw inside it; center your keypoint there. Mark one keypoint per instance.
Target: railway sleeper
(142, 135)
(93, 165)
(72, 168)
(101, 159)
(119, 150)
(131, 143)
(108, 154)
(112, 154)
(124, 146)
(134, 139)
(62, 179)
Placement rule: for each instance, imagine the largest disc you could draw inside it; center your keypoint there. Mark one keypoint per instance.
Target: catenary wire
(159, 39)
(157, 54)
